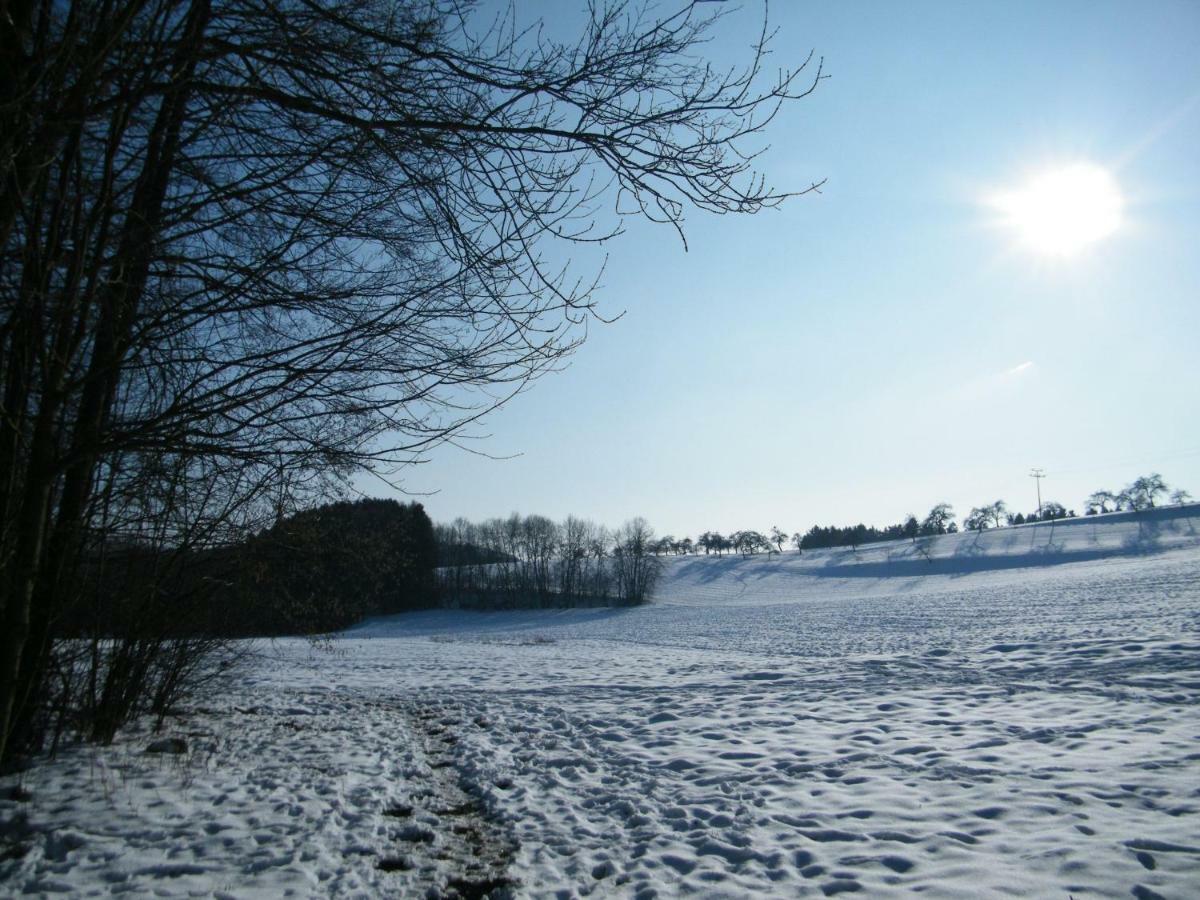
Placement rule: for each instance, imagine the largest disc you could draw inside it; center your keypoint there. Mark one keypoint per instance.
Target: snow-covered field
(1015, 713)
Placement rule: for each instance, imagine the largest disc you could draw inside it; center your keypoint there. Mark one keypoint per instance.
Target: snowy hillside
(954, 561)
(1010, 713)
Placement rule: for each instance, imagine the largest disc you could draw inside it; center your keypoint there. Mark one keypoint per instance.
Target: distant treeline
(329, 567)
(940, 520)
(154, 610)
(1142, 493)
(319, 570)
(819, 536)
(1137, 495)
(532, 561)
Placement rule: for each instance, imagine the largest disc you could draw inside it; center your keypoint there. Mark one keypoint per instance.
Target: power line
(1129, 461)
(1038, 474)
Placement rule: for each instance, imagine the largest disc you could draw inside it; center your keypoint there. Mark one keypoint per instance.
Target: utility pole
(1038, 474)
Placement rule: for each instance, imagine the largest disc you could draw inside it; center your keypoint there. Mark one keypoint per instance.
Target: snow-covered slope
(955, 561)
(896, 597)
(1016, 715)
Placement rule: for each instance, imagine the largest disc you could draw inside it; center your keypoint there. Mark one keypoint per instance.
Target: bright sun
(1061, 211)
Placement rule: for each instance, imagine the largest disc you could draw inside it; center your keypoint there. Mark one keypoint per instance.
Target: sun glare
(1062, 211)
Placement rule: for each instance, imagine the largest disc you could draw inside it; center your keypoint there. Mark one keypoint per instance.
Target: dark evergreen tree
(328, 567)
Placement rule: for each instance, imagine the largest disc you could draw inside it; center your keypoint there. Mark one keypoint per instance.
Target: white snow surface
(1015, 713)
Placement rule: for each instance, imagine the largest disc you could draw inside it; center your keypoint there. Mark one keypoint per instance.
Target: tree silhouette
(1142, 493)
(278, 240)
(939, 520)
(778, 537)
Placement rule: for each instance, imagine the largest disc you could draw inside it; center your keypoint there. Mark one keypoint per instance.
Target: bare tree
(978, 518)
(574, 554)
(292, 236)
(749, 542)
(664, 545)
(939, 520)
(1144, 490)
(1053, 510)
(637, 570)
(599, 580)
(987, 516)
(714, 542)
(530, 561)
(778, 537)
(741, 542)
(538, 550)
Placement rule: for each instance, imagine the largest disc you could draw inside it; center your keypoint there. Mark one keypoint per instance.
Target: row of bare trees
(997, 515)
(1139, 494)
(939, 520)
(532, 561)
(251, 246)
(747, 542)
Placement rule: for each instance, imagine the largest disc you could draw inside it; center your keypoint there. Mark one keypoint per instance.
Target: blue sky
(884, 345)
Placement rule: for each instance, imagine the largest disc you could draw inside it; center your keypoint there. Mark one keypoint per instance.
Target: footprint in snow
(897, 836)
(840, 886)
(826, 835)
(680, 864)
(603, 870)
(990, 812)
(959, 836)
